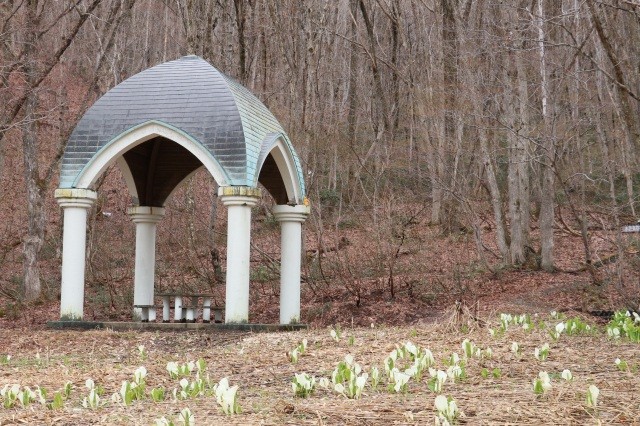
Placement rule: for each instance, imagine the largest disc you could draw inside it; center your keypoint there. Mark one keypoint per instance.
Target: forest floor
(496, 389)
(430, 276)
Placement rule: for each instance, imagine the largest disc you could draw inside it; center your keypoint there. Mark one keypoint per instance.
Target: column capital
(145, 214)
(239, 195)
(287, 213)
(75, 197)
(247, 191)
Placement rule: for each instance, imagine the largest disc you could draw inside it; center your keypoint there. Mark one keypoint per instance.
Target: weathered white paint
(238, 250)
(146, 220)
(291, 219)
(131, 138)
(75, 203)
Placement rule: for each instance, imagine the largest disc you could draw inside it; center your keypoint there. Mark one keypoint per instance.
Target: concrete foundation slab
(150, 326)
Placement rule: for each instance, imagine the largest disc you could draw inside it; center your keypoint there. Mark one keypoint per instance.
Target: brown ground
(349, 286)
(259, 365)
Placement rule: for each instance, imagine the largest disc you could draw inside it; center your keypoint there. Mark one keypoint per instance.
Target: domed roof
(193, 97)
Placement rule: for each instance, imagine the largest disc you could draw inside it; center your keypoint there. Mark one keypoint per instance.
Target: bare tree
(33, 58)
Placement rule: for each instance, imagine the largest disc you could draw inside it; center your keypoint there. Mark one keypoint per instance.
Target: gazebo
(159, 127)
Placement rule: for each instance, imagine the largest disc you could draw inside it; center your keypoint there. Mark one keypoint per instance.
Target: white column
(146, 220)
(75, 202)
(291, 219)
(239, 200)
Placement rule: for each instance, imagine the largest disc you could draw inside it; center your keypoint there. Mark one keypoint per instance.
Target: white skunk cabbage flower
(592, 396)
(186, 417)
(162, 421)
(184, 383)
(411, 348)
(400, 380)
(229, 400)
(140, 374)
(172, 368)
(440, 379)
(542, 384)
(447, 410)
(441, 403)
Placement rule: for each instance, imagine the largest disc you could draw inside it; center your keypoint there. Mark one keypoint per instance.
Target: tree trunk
(621, 102)
(241, 20)
(379, 93)
(610, 166)
(518, 173)
(492, 181)
(450, 86)
(216, 260)
(353, 76)
(35, 210)
(547, 197)
(574, 97)
(395, 86)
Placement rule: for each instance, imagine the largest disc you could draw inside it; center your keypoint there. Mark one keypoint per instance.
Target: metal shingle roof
(192, 96)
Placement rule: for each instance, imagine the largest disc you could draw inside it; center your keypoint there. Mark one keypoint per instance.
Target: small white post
(239, 200)
(177, 313)
(291, 219)
(146, 220)
(144, 314)
(191, 314)
(75, 203)
(206, 309)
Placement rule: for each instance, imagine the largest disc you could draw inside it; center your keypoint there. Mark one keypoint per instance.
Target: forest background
(455, 150)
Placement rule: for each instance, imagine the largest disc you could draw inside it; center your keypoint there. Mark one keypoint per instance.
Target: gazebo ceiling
(157, 167)
(192, 97)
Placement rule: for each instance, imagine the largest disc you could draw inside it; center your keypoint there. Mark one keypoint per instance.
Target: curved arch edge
(134, 136)
(182, 182)
(277, 145)
(128, 177)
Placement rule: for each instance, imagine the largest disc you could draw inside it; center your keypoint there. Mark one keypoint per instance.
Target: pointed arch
(133, 137)
(276, 147)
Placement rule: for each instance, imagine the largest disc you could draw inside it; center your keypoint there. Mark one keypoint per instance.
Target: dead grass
(258, 364)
